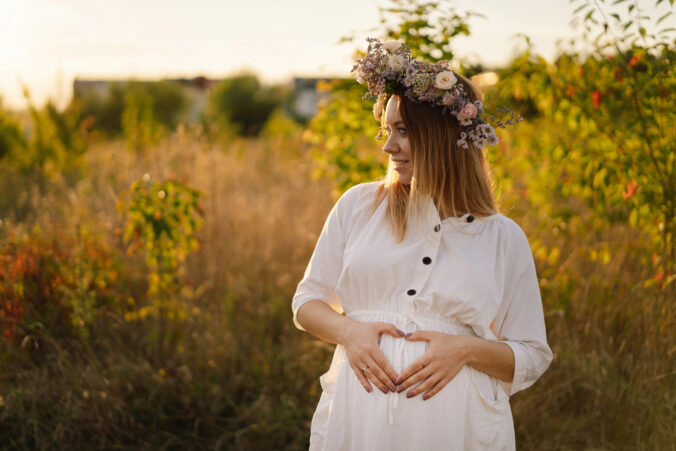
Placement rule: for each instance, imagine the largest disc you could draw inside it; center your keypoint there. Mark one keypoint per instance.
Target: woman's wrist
(494, 358)
(469, 350)
(343, 330)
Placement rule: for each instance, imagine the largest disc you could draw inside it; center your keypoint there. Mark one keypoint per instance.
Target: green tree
(606, 122)
(12, 141)
(244, 102)
(139, 125)
(167, 101)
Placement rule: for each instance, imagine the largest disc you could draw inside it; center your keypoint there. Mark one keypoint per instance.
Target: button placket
(429, 241)
(423, 267)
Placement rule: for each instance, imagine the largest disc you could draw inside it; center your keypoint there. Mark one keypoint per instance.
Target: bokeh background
(166, 168)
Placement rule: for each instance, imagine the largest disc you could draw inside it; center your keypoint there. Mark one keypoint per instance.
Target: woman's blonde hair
(458, 180)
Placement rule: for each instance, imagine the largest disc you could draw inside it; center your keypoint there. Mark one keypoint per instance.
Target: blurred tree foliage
(244, 103)
(12, 140)
(166, 100)
(140, 126)
(603, 126)
(50, 147)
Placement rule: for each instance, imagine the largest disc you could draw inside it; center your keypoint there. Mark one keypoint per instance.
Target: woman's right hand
(362, 347)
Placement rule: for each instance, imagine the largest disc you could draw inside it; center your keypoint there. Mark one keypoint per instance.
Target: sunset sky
(46, 44)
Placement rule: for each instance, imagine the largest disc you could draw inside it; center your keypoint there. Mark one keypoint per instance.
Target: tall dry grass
(245, 378)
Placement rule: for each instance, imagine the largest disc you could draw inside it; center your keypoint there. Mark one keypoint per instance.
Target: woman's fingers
(381, 379)
(416, 377)
(421, 335)
(362, 378)
(411, 370)
(434, 390)
(390, 329)
(429, 383)
(383, 363)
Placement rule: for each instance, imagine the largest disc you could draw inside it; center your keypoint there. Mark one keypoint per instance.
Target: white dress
(455, 276)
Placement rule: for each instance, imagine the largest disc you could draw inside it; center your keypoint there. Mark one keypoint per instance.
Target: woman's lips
(400, 164)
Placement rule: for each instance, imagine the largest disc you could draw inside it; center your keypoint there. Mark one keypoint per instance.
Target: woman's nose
(390, 147)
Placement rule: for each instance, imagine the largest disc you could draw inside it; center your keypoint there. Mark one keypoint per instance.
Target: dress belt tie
(405, 322)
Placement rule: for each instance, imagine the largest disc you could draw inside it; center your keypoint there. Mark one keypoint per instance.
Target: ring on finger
(366, 367)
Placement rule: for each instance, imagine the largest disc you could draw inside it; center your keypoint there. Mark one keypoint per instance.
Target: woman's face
(397, 144)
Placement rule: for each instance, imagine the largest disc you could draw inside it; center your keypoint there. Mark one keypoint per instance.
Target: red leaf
(596, 98)
(630, 190)
(570, 91)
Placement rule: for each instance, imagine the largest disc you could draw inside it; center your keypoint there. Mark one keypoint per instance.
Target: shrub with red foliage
(54, 282)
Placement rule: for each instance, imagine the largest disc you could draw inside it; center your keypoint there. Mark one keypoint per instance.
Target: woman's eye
(400, 129)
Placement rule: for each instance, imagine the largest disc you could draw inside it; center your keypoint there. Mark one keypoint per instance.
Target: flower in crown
(389, 64)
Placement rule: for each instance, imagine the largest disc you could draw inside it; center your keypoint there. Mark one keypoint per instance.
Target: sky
(46, 44)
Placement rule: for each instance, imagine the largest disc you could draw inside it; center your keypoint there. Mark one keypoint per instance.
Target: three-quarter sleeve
(326, 263)
(520, 319)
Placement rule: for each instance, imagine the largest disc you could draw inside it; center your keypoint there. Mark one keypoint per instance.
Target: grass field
(240, 376)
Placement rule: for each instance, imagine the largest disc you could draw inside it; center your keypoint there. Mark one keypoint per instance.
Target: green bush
(169, 104)
(245, 103)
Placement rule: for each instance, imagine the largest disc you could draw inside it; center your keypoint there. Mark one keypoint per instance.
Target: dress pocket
(328, 380)
(489, 414)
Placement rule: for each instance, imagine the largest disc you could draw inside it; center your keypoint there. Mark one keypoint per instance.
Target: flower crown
(389, 64)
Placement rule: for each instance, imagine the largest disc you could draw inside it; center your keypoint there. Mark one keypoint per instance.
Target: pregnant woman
(443, 315)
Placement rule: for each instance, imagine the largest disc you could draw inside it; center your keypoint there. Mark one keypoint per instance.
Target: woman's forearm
(491, 357)
(320, 320)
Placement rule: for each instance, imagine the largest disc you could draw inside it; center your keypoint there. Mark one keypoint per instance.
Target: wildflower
(492, 140)
(420, 83)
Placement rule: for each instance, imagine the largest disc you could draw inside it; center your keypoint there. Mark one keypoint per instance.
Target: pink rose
(468, 111)
(448, 98)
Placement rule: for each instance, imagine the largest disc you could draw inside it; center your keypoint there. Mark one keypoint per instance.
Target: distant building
(306, 96)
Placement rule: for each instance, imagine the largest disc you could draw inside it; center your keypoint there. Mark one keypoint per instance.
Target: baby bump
(400, 353)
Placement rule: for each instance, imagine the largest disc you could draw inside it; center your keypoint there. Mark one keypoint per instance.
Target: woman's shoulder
(364, 187)
(359, 193)
(513, 235)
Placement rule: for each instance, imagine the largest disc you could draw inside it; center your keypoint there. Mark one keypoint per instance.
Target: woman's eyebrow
(396, 123)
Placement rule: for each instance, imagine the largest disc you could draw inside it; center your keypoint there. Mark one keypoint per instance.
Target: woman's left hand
(441, 362)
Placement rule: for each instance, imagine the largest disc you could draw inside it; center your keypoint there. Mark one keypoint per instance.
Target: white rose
(445, 80)
(395, 61)
(392, 45)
